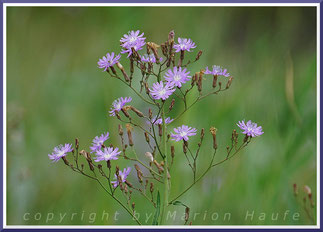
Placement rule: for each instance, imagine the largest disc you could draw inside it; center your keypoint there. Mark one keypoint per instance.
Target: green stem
(166, 183)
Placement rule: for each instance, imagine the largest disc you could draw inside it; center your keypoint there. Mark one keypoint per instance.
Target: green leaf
(157, 213)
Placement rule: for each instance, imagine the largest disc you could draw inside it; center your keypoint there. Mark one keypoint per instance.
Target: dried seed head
(149, 156)
(194, 78)
(129, 184)
(147, 88)
(117, 114)
(200, 80)
(117, 170)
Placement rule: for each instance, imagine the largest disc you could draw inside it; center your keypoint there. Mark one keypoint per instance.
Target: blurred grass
(55, 93)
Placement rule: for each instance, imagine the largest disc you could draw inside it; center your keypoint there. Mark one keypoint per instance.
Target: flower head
(108, 61)
(177, 77)
(217, 70)
(250, 129)
(150, 58)
(184, 44)
(60, 151)
(132, 37)
(182, 132)
(98, 141)
(108, 153)
(118, 104)
(160, 120)
(161, 91)
(132, 40)
(123, 176)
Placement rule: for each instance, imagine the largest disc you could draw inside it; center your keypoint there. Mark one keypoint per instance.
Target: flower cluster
(132, 41)
(162, 76)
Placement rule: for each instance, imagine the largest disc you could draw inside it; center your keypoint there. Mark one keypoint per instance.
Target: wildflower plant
(165, 82)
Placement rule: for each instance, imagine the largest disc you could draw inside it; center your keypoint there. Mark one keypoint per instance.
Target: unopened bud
(133, 206)
(213, 132)
(65, 161)
(140, 114)
(150, 114)
(229, 82)
(307, 190)
(171, 36)
(125, 112)
(126, 77)
(151, 187)
(199, 54)
(187, 214)
(120, 129)
(295, 189)
(172, 104)
(129, 129)
(215, 80)
(172, 151)
(147, 137)
(160, 130)
(76, 143)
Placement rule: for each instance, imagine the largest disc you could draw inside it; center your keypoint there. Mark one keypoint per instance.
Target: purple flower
(184, 44)
(150, 58)
(118, 104)
(123, 176)
(217, 70)
(161, 91)
(108, 61)
(98, 142)
(132, 40)
(160, 120)
(177, 77)
(250, 129)
(182, 132)
(108, 153)
(60, 151)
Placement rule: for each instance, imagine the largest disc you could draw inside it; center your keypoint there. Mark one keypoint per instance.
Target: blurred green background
(55, 93)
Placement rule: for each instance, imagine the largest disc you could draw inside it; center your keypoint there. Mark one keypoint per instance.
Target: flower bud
(147, 137)
(215, 80)
(213, 132)
(120, 130)
(295, 189)
(187, 214)
(199, 54)
(65, 161)
(140, 114)
(172, 151)
(229, 82)
(160, 130)
(124, 111)
(129, 129)
(172, 104)
(133, 205)
(76, 143)
(171, 36)
(150, 114)
(151, 187)
(126, 77)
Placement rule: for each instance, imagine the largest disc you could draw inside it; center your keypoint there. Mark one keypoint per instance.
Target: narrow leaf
(157, 213)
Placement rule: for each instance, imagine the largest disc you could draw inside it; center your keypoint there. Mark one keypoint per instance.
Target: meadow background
(55, 93)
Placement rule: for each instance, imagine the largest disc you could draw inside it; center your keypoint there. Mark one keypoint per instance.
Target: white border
(5, 5)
